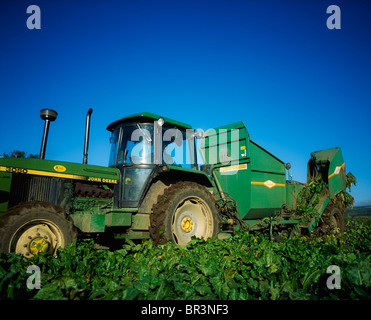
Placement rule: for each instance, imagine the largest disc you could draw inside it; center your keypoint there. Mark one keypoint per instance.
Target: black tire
(35, 226)
(332, 222)
(185, 209)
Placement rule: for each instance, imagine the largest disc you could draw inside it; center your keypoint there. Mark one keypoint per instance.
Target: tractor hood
(60, 169)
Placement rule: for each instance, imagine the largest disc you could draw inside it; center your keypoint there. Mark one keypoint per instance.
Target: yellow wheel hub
(39, 245)
(186, 224)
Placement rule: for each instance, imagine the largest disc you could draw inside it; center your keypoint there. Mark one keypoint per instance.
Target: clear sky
(297, 85)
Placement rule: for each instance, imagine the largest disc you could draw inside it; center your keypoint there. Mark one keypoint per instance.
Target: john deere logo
(60, 168)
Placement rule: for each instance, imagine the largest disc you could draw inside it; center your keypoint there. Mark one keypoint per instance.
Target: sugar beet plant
(245, 266)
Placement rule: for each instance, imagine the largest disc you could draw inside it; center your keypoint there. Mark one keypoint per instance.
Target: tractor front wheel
(35, 227)
(184, 210)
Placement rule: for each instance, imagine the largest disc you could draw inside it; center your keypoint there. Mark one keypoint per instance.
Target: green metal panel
(5, 183)
(97, 223)
(118, 219)
(134, 234)
(251, 175)
(89, 222)
(333, 166)
(140, 222)
(225, 145)
(227, 149)
(336, 174)
(268, 180)
(265, 161)
(237, 185)
(60, 169)
(268, 193)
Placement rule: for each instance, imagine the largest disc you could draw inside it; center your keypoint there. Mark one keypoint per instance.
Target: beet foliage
(246, 266)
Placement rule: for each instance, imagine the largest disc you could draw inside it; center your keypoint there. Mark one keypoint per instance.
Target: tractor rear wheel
(184, 210)
(34, 227)
(331, 222)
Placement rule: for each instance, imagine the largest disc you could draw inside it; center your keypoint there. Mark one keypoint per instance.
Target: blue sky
(298, 86)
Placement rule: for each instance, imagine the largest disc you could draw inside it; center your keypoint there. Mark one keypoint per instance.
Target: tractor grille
(28, 188)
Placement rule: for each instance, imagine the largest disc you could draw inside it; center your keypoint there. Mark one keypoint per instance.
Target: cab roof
(146, 117)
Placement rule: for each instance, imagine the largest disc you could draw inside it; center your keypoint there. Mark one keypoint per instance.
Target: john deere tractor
(154, 188)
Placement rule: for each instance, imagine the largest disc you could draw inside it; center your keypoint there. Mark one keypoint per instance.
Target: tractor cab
(140, 144)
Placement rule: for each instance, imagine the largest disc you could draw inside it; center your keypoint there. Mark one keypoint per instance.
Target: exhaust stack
(87, 130)
(48, 115)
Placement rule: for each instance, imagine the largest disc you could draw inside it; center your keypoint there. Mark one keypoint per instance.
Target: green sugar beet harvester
(154, 188)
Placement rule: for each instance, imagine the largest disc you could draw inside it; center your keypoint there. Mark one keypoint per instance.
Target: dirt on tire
(20, 214)
(161, 211)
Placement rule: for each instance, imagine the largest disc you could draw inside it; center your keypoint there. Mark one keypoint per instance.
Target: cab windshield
(134, 144)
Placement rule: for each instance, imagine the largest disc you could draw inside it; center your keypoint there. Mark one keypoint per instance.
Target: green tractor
(154, 188)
